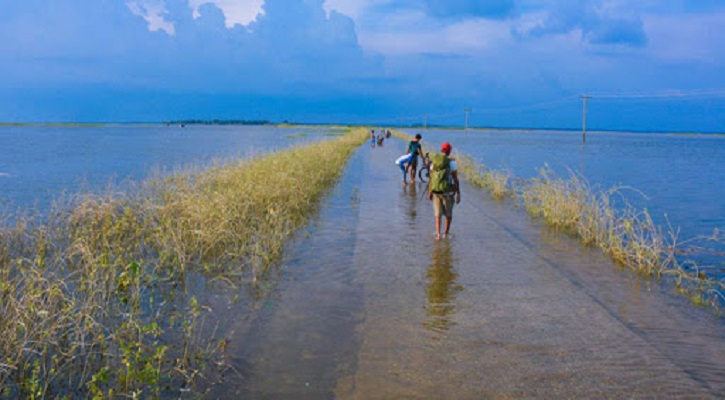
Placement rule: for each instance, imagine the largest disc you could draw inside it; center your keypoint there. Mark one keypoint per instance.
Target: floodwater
(38, 163)
(678, 178)
(369, 305)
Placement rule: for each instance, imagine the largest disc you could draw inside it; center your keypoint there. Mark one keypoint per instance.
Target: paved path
(371, 306)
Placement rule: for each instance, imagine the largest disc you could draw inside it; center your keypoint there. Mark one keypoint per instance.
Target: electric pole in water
(468, 111)
(584, 117)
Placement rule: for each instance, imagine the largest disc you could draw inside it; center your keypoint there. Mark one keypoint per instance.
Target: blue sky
(649, 65)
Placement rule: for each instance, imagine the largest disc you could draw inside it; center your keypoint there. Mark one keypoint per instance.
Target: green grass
(91, 296)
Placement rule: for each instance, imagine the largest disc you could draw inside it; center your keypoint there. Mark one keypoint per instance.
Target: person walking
(444, 189)
(415, 149)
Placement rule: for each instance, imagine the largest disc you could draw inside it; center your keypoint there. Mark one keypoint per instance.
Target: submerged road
(370, 306)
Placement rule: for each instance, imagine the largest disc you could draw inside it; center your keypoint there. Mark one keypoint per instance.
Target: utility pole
(425, 121)
(584, 117)
(468, 111)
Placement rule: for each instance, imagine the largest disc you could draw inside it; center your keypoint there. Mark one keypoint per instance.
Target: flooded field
(369, 305)
(677, 178)
(38, 163)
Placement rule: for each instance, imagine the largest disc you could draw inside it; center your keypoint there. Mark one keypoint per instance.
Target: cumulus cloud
(599, 22)
(226, 56)
(471, 36)
(352, 8)
(108, 42)
(153, 11)
(698, 38)
(236, 12)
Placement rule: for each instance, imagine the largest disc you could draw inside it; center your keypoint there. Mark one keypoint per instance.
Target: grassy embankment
(91, 297)
(625, 233)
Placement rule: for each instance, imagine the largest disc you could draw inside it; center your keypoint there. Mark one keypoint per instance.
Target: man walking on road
(444, 187)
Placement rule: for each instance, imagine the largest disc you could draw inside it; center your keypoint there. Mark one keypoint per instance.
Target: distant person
(372, 137)
(387, 134)
(414, 148)
(381, 138)
(403, 162)
(443, 187)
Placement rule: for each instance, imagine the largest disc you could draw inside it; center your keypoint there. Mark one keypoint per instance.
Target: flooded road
(369, 305)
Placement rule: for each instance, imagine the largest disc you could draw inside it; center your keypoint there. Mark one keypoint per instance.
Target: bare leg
(448, 225)
(438, 227)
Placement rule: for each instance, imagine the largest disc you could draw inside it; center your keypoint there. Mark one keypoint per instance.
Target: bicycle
(424, 172)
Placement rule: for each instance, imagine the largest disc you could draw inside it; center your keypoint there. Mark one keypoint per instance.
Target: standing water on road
(369, 305)
(678, 178)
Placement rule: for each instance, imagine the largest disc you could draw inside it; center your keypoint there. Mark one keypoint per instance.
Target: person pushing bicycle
(415, 149)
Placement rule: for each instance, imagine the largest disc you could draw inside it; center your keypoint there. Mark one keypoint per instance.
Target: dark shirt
(414, 148)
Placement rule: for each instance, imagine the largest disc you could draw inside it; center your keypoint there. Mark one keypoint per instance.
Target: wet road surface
(368, 305)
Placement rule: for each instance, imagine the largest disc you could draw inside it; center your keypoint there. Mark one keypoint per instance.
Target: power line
(427, 118)
(673, 94)
(543, 105)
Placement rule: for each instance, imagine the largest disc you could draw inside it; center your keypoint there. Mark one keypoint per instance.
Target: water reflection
(411, 190)
(441, 288)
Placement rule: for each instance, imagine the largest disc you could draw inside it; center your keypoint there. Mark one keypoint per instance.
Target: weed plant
(92, 300)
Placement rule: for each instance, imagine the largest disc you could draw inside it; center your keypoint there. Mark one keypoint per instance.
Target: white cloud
(236, 12)
(414, 33)
(687, 38)
(153, 12)
(352, 8)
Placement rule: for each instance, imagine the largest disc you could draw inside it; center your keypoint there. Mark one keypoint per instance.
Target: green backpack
(440, 174)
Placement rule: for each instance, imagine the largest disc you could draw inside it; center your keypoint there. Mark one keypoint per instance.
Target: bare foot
(438, 236)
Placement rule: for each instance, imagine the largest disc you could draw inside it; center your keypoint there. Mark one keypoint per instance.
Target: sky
(647, 65)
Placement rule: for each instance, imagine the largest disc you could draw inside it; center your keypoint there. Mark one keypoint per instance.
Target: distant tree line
(220, 122)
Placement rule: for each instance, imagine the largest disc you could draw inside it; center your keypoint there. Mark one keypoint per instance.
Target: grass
(497, 182)
(92, 300)
(601, 218)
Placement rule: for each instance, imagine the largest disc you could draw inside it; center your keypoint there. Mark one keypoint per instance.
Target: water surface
(678, 178)
(369, 305)
(38, 163)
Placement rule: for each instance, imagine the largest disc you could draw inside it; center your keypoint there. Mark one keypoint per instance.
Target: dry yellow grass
(623, 232)
(91, 298)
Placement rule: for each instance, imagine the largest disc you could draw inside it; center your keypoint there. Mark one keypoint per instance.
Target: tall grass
(497, 181)
(601, 218)
(91, 296)
(606, 219)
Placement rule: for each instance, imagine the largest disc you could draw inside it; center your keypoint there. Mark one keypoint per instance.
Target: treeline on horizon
(221, 122)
